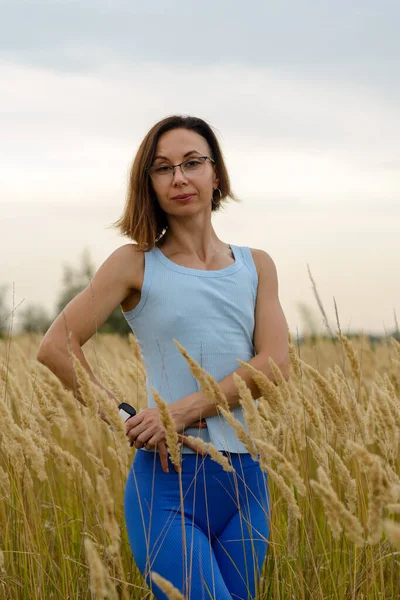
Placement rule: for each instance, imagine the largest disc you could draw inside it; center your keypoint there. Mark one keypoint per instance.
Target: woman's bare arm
(84, 314)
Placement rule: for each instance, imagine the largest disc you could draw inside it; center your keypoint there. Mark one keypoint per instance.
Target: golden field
(328, 438)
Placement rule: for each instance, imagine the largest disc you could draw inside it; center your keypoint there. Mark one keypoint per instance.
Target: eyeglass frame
(180, 165)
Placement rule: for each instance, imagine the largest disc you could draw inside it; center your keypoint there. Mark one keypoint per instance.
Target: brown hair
(143, 220)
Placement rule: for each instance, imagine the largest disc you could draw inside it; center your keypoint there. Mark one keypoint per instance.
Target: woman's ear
(215, 179)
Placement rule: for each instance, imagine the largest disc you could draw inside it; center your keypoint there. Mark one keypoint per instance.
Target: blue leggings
(226, 520)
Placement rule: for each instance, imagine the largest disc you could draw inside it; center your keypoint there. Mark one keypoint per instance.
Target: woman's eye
(192, 163)
(163, 169)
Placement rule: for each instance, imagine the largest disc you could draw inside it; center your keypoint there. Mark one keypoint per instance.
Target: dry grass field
(328, 438)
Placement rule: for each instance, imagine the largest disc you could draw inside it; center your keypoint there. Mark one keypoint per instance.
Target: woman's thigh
(241, 547)
(217, 506)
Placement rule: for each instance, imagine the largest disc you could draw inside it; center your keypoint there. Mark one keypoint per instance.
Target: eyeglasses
(191, 166)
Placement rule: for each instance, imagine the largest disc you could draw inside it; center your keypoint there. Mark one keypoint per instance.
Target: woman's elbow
(43, 351)
(47, 348)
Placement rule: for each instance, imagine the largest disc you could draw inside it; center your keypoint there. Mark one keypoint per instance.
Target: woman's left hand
(146, 428)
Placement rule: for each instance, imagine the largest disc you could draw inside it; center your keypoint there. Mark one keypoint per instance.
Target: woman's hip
(201, 478)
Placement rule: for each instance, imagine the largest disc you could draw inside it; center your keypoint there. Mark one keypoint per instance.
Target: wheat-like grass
(379, 399)
(270, 392)
(369, 424)
(22, 437)
(335, 507)
(101, 585)
(334, 406)
(136, 372)
(320, 454)
(330, 511)
(391, 482)
(375, 503)
(121, 458)
(357, 414)
(166, 586)
(11, 450)
(110, 523)
(50, 412)
(173, 444)
(112, 528)
(391, 398)
(349, 484)
(86, 460)
(351, 355)
(265, 422)
(99, 464)
(249, 408)
(212, 451)
(313, 413)
(5, 484)
(112, 385)
(285, 490)
(85, 385)
(396, 346)
(279, 438)
(280, 380)
(73, 468)
(135, 348)
(292, 533)
(242, 434)
(208, 385)
(393, 532)
(295, 361)
(269, 452)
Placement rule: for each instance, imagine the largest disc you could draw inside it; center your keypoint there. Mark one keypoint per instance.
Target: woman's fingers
(135, 432)
(139, 443)
(163, 452)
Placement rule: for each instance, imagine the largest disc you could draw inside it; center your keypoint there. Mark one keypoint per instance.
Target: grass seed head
(214, 453)
(101, 585)
(171, 434)
(166, 586)
(393, 532)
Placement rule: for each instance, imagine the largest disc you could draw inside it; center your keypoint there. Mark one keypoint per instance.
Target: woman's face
(174, 147)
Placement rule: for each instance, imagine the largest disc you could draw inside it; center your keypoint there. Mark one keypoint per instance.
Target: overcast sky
(305, 99)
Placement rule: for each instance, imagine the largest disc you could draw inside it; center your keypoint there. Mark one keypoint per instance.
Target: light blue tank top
(211, 313)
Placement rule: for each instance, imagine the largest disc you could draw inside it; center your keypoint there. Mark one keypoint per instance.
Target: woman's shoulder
(130, 260)
(261, 259)
(128, 252)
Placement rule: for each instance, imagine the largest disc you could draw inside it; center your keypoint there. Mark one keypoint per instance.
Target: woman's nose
(178, 175)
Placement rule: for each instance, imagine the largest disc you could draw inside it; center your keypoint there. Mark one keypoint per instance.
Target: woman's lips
(183, 198)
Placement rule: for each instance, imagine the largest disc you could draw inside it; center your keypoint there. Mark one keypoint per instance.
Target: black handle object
(126, 411)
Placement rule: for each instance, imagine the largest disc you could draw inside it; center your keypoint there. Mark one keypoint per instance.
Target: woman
(220, 301)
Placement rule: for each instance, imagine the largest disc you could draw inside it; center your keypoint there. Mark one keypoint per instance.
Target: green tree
(35, 319)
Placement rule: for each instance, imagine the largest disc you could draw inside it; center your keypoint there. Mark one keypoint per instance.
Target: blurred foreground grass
(333, 434)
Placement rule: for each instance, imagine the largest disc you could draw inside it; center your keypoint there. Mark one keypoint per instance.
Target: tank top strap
(149, 270)
(249, 262)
